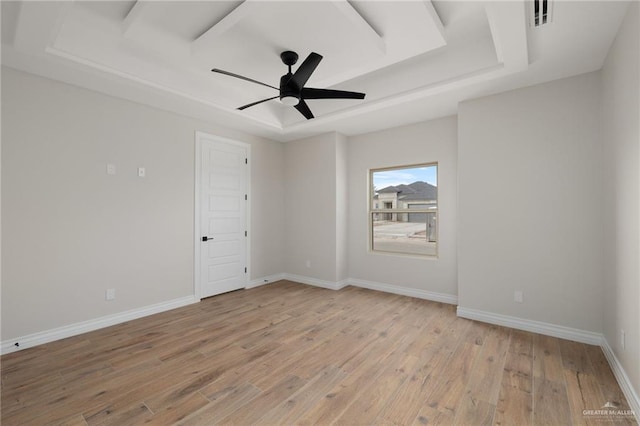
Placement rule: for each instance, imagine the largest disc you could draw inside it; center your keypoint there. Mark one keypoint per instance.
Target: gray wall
(70, 231)
(342, 208)
(621, 164)
(419, 143)
(313, 207)
(530, 203)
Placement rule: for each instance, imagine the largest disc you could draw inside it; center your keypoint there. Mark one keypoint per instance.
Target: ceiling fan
(292, 90)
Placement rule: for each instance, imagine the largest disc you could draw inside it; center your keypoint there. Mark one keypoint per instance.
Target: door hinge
(245, 233)
(245, 197)
(245, 269)
(246, 161)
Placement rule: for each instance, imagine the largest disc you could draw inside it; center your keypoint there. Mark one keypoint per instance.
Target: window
(403, 209)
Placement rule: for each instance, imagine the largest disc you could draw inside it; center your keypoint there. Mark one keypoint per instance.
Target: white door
(223, 216)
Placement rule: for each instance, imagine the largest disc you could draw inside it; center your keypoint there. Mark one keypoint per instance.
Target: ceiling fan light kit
(292, 90)
(289, 100)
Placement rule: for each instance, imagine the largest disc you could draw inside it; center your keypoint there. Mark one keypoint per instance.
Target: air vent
(540, 13)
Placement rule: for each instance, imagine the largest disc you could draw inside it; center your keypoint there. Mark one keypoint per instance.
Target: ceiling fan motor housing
(289, 90)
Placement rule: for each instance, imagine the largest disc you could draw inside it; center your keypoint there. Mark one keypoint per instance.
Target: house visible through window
(403, 209)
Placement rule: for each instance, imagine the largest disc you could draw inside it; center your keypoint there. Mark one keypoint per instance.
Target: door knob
(205, 238)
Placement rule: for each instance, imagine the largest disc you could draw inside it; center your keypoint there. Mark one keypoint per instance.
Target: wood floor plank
(432, 416)
(574, 356)
(344, 394)
(267, 399)
(605, 378)
(287, 353)
(434, 324)
(485, 380)
(131, 413)
(249, 372)
(481, 394)
(412, 399)
(369, 403)
(518, 368)
(448, 389)
(75, 420)
(550, 403)
(201, 376)
(117, 405)
(35, 363)
(583, 393)
(515, 407)
(288, 411)
(176, 411)
(17, 397)
(515, 401)
(111, 395)
(547, 359)
(77, 397)
(221, 405)
(476, 412)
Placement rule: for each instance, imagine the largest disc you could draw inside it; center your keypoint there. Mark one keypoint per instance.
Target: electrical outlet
(110, 294)
(622, 339)
(111, 169)
(308, 263)
(517, 296)
(142, 172)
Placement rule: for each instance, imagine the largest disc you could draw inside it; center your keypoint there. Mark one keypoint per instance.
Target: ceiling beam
(434, 18)
(508, 24)
(133, 17)
(360, 24)
(39, 24)
(222, 26)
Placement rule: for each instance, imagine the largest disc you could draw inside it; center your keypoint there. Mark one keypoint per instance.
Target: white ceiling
(415, 60)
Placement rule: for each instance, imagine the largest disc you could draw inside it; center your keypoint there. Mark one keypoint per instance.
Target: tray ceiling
(402, 54)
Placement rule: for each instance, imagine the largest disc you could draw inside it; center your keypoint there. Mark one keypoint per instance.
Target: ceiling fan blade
(310, 93)
(256, 103)
(242, 78)
(304, 109)
(305, 70)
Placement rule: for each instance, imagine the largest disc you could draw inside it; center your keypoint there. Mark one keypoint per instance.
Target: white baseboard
(622, 378)
(547, 329)
(63, 332)
(387, 288)
(265, 280)
(331, 285)
(405, 291)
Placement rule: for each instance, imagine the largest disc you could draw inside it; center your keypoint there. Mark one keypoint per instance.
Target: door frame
(200, 138)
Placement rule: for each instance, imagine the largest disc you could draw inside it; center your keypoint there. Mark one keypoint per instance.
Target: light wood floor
(293, 354)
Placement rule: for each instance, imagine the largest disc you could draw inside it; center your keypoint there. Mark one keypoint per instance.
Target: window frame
(371, 210)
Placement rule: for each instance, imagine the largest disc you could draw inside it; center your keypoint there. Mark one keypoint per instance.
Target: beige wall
(419, 143)
(621, 164)
(70, 231)
(314, 207)
(530, 212)
(342, 208)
